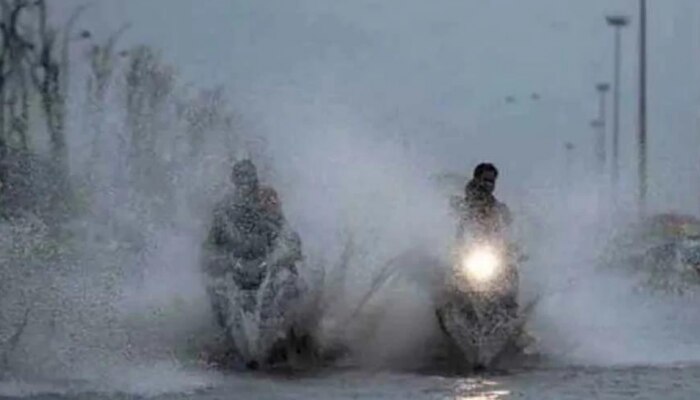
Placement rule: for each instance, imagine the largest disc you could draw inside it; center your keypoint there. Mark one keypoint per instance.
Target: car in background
(662, 250)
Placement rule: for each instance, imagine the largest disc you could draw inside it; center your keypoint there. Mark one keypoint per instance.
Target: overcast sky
(437, 74)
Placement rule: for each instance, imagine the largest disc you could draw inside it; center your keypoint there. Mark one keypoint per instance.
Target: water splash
(592, 312)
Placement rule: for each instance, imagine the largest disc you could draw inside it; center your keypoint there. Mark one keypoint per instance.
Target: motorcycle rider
(479, 210)
(484, 217)
(248, 234)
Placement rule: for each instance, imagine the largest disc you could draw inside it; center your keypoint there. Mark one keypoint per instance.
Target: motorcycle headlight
(481, 264)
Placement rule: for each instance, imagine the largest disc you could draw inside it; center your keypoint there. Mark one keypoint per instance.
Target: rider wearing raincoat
(251, 261)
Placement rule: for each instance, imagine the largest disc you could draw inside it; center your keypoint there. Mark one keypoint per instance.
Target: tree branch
(65, 50)
(112, 41)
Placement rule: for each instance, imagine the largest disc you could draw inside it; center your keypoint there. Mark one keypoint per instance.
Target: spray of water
(594, 308)
(130, 295)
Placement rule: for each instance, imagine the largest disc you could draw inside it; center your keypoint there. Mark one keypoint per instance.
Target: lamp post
(617, 22)
(642, 123)
(601, 151)
(569, 149)
(597, 126)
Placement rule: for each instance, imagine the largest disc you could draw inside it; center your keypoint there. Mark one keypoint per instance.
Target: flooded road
(671, 382)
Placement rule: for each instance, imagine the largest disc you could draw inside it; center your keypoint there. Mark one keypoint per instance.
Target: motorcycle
(266, 310)
(479, 309)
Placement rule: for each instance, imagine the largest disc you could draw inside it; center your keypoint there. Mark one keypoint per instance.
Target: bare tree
(203, 114)
(17, 103)
(49, 65)
(149, 86)
(45, 68)
(103, 62)
(13, 47)
(68, 37)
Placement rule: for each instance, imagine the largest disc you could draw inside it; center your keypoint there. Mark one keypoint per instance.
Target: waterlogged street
(673, 382)
(564, 383)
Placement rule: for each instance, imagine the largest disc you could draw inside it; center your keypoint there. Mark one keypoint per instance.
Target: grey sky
(437, 73)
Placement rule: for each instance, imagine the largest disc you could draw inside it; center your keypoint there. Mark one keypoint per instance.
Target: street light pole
(601, 124)
(569, 148)
(643, 178)
(597, 126)
(617, 22)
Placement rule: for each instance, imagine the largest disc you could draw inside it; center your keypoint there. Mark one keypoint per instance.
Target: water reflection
(479, 389)
(489, 395)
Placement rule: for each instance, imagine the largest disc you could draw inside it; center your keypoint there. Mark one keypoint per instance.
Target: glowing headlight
(481, 264)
